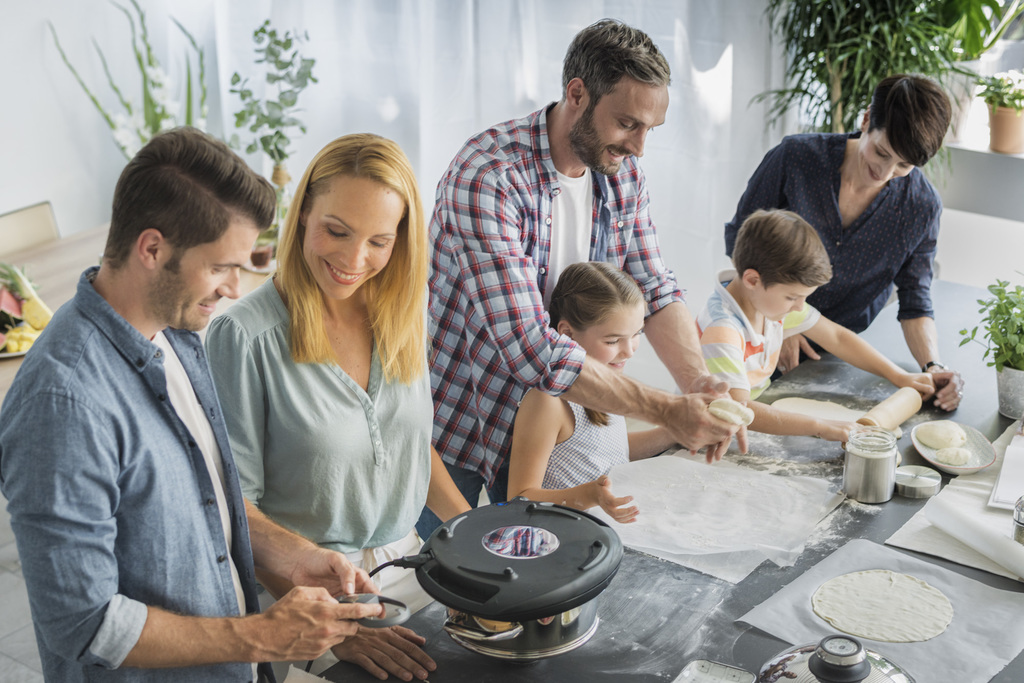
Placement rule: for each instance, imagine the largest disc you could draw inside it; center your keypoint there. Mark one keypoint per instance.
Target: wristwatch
(933, 364)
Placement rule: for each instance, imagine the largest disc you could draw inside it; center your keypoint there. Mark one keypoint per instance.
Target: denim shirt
(109, 497)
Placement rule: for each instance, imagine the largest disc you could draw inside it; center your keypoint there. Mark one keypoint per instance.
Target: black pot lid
(519, 560)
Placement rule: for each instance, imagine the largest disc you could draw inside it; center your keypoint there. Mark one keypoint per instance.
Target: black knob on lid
(839, 659)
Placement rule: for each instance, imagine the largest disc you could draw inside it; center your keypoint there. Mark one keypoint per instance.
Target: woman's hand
(834, 430)
(382, 651)
(612, 505)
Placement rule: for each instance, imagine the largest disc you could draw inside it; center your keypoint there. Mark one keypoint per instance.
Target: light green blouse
(343, 467)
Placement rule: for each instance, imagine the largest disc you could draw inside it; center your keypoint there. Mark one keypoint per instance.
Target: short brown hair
(585, 295)
(602, 53)
(188, 185)
(914, 112)
(783, 248)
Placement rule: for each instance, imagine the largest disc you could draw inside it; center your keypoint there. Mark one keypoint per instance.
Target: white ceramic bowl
(982, 453)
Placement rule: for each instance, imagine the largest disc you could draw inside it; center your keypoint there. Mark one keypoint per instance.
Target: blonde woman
(322, 375)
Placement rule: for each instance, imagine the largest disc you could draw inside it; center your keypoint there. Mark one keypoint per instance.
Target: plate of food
(952, 447)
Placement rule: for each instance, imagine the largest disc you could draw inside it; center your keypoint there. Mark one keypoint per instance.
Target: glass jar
(869, 471)
(1018, 521)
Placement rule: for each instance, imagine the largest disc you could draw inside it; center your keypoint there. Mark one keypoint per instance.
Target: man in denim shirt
(133, 534)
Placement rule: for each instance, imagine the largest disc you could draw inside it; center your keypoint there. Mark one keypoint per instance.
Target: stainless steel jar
(869, 473)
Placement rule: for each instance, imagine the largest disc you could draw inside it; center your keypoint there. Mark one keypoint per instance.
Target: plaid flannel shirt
(490, 234)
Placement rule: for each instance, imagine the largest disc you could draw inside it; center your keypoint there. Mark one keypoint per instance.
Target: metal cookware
(869, 471)
(519, 577)
(836, 659)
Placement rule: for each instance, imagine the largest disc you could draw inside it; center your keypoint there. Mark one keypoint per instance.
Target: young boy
(780, 261)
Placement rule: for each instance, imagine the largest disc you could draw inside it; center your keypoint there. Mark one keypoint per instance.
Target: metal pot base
(527, 655)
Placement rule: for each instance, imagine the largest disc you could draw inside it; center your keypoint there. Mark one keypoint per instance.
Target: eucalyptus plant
(288, 73)
(1002, 326)
(838, 50)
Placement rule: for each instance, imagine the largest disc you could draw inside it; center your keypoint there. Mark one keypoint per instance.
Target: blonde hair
(396, 297)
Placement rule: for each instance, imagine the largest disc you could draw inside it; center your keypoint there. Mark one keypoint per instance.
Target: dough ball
(953, 456)
(883, 606)
(941, 434)
(731, 411)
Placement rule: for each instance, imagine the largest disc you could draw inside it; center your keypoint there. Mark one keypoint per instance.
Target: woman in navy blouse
(876, 213)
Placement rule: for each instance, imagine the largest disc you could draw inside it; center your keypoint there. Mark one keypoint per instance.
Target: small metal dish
(915, 481)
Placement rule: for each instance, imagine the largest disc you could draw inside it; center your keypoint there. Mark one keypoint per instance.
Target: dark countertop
(656, 616)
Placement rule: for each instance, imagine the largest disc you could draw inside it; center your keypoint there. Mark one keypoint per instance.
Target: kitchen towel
(986, 632)
(968, 495)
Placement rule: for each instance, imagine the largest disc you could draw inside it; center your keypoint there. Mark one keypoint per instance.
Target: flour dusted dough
(955, 457)
(883, 606)
(731, 411)
(941, 434)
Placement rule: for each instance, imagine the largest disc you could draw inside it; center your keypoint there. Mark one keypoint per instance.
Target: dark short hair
(188, 185)
(602, 53)
(914, 112)
(783, 248)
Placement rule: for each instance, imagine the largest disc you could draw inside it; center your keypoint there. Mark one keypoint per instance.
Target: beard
(588, 147)
(169, 300)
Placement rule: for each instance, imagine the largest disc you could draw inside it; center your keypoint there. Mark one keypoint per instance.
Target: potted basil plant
(1002, 328)
(1004, 95)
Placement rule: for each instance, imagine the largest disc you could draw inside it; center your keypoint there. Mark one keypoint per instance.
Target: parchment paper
(969, 494)
(986, 632)
(720, 519)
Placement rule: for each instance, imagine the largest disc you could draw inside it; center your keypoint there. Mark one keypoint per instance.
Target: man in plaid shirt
(519, 203)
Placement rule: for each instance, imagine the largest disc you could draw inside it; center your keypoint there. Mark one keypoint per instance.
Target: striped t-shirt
(735, 352)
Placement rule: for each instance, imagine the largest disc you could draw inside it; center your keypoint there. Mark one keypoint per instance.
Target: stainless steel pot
(835, 659)
(524, 640)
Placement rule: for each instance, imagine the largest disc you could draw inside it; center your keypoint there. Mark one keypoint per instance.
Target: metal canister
(1018, 521)
(869, 472)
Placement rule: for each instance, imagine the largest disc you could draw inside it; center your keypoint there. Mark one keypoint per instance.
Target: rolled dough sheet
(883, 605)
(823, 410)
(985, 634)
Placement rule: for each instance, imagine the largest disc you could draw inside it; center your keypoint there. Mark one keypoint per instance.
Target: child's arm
(846, 345)
(648, 442)
(539, 423)
(768, 420)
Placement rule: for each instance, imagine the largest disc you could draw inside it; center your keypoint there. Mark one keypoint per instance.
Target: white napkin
(968, 495)
(1010, 485)
(986, 632)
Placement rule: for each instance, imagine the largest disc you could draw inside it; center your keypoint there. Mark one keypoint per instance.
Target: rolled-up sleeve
(61, 484)
(643, 259)
(914, 278)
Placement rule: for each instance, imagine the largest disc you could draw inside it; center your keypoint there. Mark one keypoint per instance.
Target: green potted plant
(1004, 95)
(838, 50)
(1002, 328)
(272, 119)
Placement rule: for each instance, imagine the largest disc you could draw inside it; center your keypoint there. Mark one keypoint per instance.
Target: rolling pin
(893, 411)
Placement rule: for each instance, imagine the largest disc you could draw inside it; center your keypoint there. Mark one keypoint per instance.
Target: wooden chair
(27, 227)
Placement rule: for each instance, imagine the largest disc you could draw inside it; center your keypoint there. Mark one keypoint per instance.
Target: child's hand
(921, 382)
(612, 505)
(834, 430)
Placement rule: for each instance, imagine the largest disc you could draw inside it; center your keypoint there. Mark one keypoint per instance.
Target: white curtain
(431, 73)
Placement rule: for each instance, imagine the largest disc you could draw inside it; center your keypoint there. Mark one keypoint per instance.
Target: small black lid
(519, 560)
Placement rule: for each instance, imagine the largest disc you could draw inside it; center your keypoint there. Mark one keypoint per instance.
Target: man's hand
(612, 505)
(328, 569)
(305, 623)
(789, 356)
(950, 387)
(383, 651)
(708, 385)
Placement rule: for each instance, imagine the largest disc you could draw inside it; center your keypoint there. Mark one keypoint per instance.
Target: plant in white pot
(1004, 95)
(1002, 328)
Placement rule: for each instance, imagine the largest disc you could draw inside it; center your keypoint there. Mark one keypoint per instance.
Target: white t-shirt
(183, 399)
(572, 222)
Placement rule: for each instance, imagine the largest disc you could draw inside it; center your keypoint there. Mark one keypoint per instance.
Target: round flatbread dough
(941, 434)
(731, 411)
(955, 457)
(883, 606)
